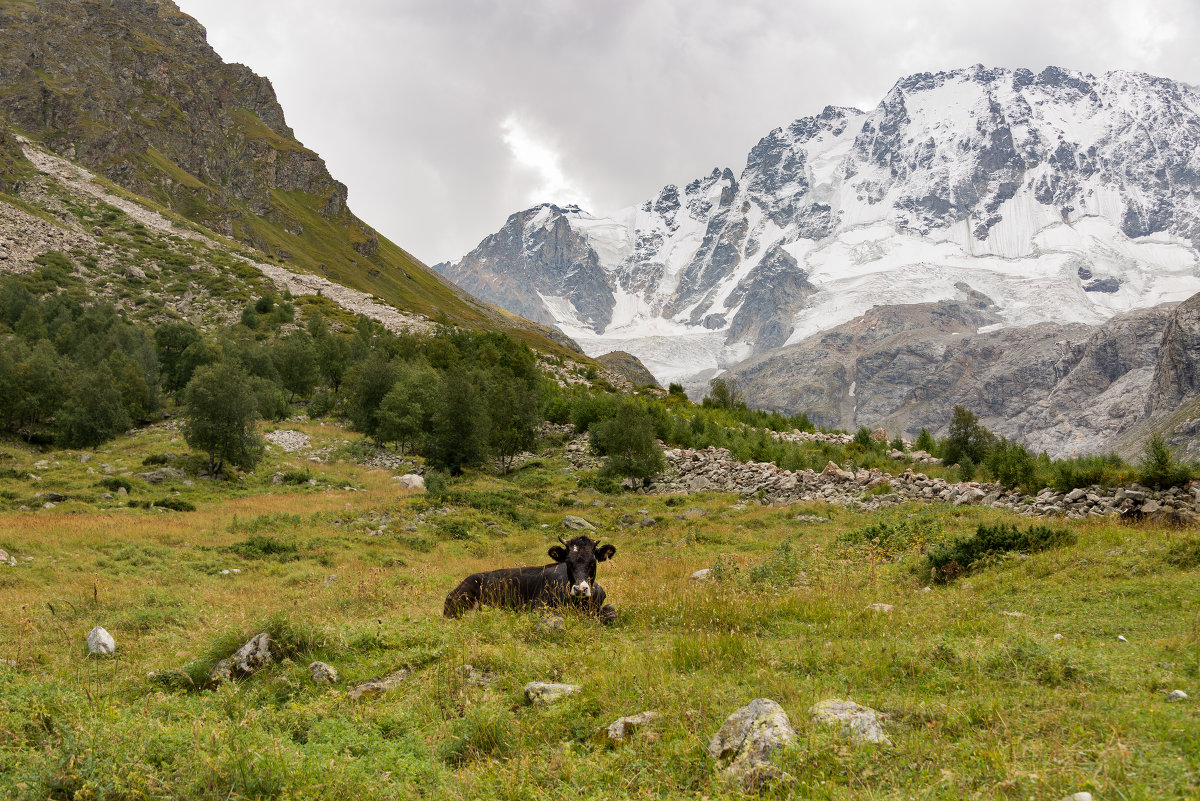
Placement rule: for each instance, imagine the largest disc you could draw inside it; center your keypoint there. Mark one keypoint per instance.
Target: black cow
(571, 581)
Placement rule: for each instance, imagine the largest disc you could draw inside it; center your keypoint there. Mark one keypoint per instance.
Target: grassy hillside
(133, 91)
(352, 571)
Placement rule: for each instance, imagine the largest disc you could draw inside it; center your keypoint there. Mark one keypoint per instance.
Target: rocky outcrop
(1177, 368)
(629, 366)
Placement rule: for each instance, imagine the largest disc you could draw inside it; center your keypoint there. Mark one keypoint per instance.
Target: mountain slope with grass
(132, 91)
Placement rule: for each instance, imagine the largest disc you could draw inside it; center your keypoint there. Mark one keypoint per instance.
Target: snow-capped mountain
(1060, 196)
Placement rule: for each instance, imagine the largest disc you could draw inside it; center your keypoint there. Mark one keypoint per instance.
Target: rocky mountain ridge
(1029, 233)
(1062, 196)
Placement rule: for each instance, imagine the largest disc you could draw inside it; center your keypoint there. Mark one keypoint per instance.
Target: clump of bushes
(114, 483)
(258, 546)
(946, 561)
(175, 505)
(890, 537)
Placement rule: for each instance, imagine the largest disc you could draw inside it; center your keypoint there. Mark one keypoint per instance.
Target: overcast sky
(445, 116)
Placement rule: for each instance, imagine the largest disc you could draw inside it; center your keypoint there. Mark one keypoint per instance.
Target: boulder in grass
(859, 722)
(621, 729)
(100, 642)
(377, 687)
(411, 481)
(322, 673)
(748, 740)
(246, 661)
(576, 523)
(541, 693)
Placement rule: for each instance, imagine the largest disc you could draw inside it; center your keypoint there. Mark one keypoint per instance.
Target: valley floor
(979, 703)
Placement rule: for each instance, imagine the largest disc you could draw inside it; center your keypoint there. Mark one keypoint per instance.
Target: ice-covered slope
(1061, 196)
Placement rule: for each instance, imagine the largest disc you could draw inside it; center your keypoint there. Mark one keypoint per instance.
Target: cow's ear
(558, 553)
(605, 552)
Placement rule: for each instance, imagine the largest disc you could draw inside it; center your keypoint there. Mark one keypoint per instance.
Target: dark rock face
(131, 89)
(1177, 369)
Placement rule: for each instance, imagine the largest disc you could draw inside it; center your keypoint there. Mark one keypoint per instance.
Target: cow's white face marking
(574, 548)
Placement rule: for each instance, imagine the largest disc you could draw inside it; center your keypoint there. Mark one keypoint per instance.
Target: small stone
(1058, 636)
(1078, 797)
(1121, 638)
(886, 608)
(552, 624)
(100, 642)
(330, 580)
(1014, 614)
(542, 693)
(622, 729)
(577, 523)
(1177, 695)
(6, 559)
(475, 677)
(322, 673)
(122, 492)
(860, 722)
(378, 686)
(701, 575)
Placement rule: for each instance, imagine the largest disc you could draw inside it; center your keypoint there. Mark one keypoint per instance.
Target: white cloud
(537, 158)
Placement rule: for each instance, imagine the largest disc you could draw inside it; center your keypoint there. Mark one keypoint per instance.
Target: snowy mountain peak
(1058, 195)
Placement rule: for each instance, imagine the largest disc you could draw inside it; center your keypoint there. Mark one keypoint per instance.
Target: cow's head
(580, 555)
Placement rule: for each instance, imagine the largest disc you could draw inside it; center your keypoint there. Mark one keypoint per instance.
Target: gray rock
(885, 608)
(377, 687)
(100, 642)
(701, 575)
(411, 481)
(748, 739)
(246, 661)
(859, 722)
(322, 673)
(6, 560)
(577, 523)
(474, 676)
(1078, 797)
(1177, 695)
(542, 693)
(162, 474)
(622, 729)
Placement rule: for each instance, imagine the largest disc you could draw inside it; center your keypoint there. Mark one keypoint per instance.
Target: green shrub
(781, 568)
(258, 546)
(889, 537)
(946, 561)
(322, 404)
(176, 505)
(296, 477)
(600, 483)
(114, 483)
(1159, 468)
